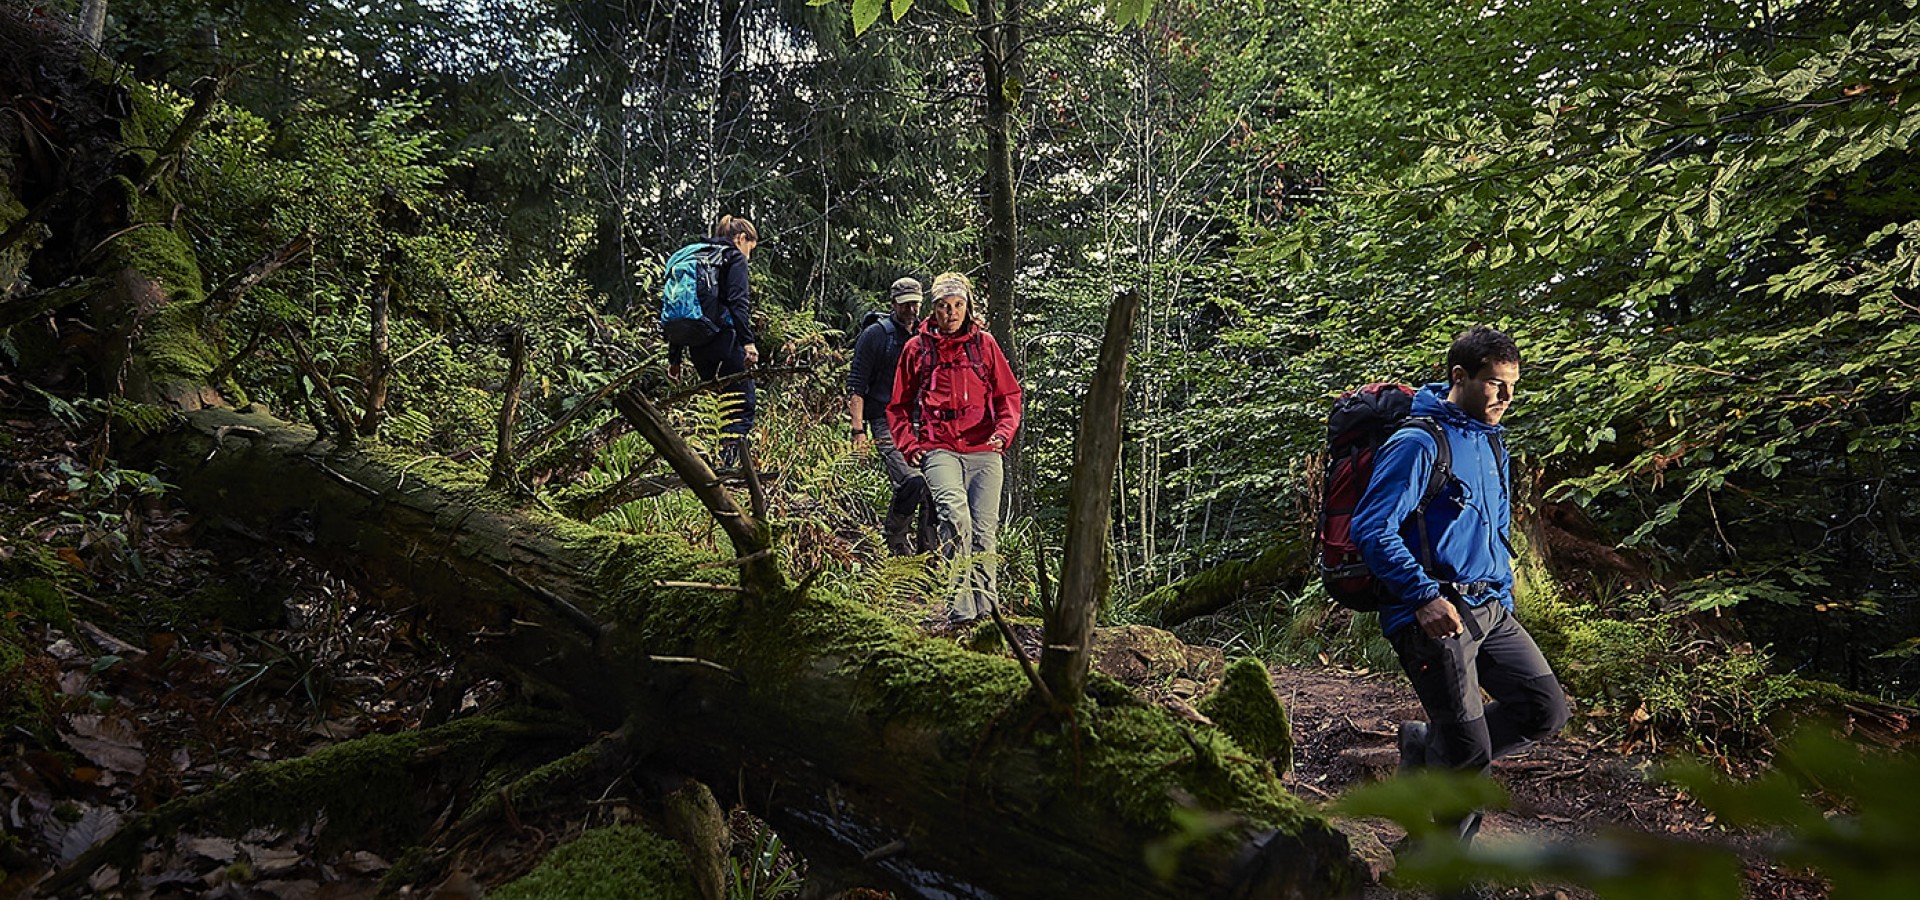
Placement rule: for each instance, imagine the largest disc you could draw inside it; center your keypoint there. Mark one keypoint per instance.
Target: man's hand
(998, 443)
(1439, 619)
(861, 441)
(673, 371)
(753, 354)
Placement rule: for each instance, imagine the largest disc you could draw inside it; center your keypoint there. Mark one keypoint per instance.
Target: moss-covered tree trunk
(880, 754)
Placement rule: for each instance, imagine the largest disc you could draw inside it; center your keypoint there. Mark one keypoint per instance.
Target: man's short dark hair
(1479, 347)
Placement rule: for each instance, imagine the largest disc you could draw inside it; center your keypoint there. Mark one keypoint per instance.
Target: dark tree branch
(206, 93)
(502, 473)
(229, 295)
(379, 359)
(338, 415)
(741, 527)
(1068, 647)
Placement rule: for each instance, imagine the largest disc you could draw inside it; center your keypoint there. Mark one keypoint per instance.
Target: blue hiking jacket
(1469, 523)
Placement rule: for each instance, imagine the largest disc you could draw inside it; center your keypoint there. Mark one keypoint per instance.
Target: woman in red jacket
(955, 408)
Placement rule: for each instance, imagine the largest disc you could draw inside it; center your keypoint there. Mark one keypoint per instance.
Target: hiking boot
(1413, 746)
(1468, 828)
(898, 532)
(730, 453)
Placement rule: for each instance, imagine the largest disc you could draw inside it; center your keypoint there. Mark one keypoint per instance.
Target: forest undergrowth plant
(1303, 629)
(1651, 679)
(761, 867)
(1021, 542)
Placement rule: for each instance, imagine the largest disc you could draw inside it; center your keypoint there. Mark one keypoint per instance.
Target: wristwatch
(856, 434)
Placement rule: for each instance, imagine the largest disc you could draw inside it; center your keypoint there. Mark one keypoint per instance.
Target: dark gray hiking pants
(1493, 653)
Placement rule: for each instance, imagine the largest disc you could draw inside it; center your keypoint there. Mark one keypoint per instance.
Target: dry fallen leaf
(110, 742)
(95, 823)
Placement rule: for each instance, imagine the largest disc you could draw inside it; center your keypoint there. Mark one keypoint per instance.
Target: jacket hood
(1431, 401)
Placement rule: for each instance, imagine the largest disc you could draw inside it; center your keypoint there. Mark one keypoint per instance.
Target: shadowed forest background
(1699, 219)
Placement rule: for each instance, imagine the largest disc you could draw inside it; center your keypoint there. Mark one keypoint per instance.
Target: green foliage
(1698, 220)
(605, 863)
(1843, 808)
(1304, 629)
(1648, 676)
(865, 13)
(767, 872)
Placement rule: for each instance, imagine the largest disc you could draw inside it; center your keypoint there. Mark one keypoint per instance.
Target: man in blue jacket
(1451, 620)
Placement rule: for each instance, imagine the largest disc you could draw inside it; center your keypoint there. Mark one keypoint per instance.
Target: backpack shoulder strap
(1437, 478)
(1442, 471)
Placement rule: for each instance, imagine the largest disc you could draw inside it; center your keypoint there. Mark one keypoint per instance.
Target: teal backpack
(690, 297)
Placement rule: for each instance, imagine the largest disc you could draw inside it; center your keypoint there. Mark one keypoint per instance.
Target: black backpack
(868, 321)
(1360, 422)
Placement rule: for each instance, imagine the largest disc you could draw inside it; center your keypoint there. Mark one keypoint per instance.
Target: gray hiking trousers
(966, 498)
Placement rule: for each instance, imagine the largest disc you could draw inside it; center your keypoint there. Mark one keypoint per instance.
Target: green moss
(366, 787)
(624, 862)
(1126, 758)
(1222, 584)
(14, 259)
(1143, 762)
(27, 696)
(1248, 710)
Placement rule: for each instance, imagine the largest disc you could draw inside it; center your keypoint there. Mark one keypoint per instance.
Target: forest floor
(1561, 789)
(160, 687)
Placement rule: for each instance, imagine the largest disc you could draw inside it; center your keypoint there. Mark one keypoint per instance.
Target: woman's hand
(753, 354)
(998, 443)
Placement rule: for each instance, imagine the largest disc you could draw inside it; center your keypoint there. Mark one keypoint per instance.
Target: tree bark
(1083, 570)
(93, 22)
(379, 359)
(999, 28)
(516, 350)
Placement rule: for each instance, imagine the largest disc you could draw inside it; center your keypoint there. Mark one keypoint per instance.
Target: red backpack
(971, 366)
(1362, 420)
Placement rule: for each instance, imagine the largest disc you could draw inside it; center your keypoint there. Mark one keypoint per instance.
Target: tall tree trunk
(379, 359)
(733, 101)
(1083, 570)
(999, 24)
(516, 350)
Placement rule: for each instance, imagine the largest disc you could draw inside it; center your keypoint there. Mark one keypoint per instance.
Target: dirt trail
(1344, 725)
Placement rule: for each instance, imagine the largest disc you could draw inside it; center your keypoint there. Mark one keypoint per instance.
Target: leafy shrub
(1650, 676)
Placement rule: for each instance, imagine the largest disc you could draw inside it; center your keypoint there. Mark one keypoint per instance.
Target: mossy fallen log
(884, 756)
(1282, 566)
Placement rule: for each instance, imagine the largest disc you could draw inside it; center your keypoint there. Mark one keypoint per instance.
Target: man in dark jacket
(1451, 621)
(876, 353)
